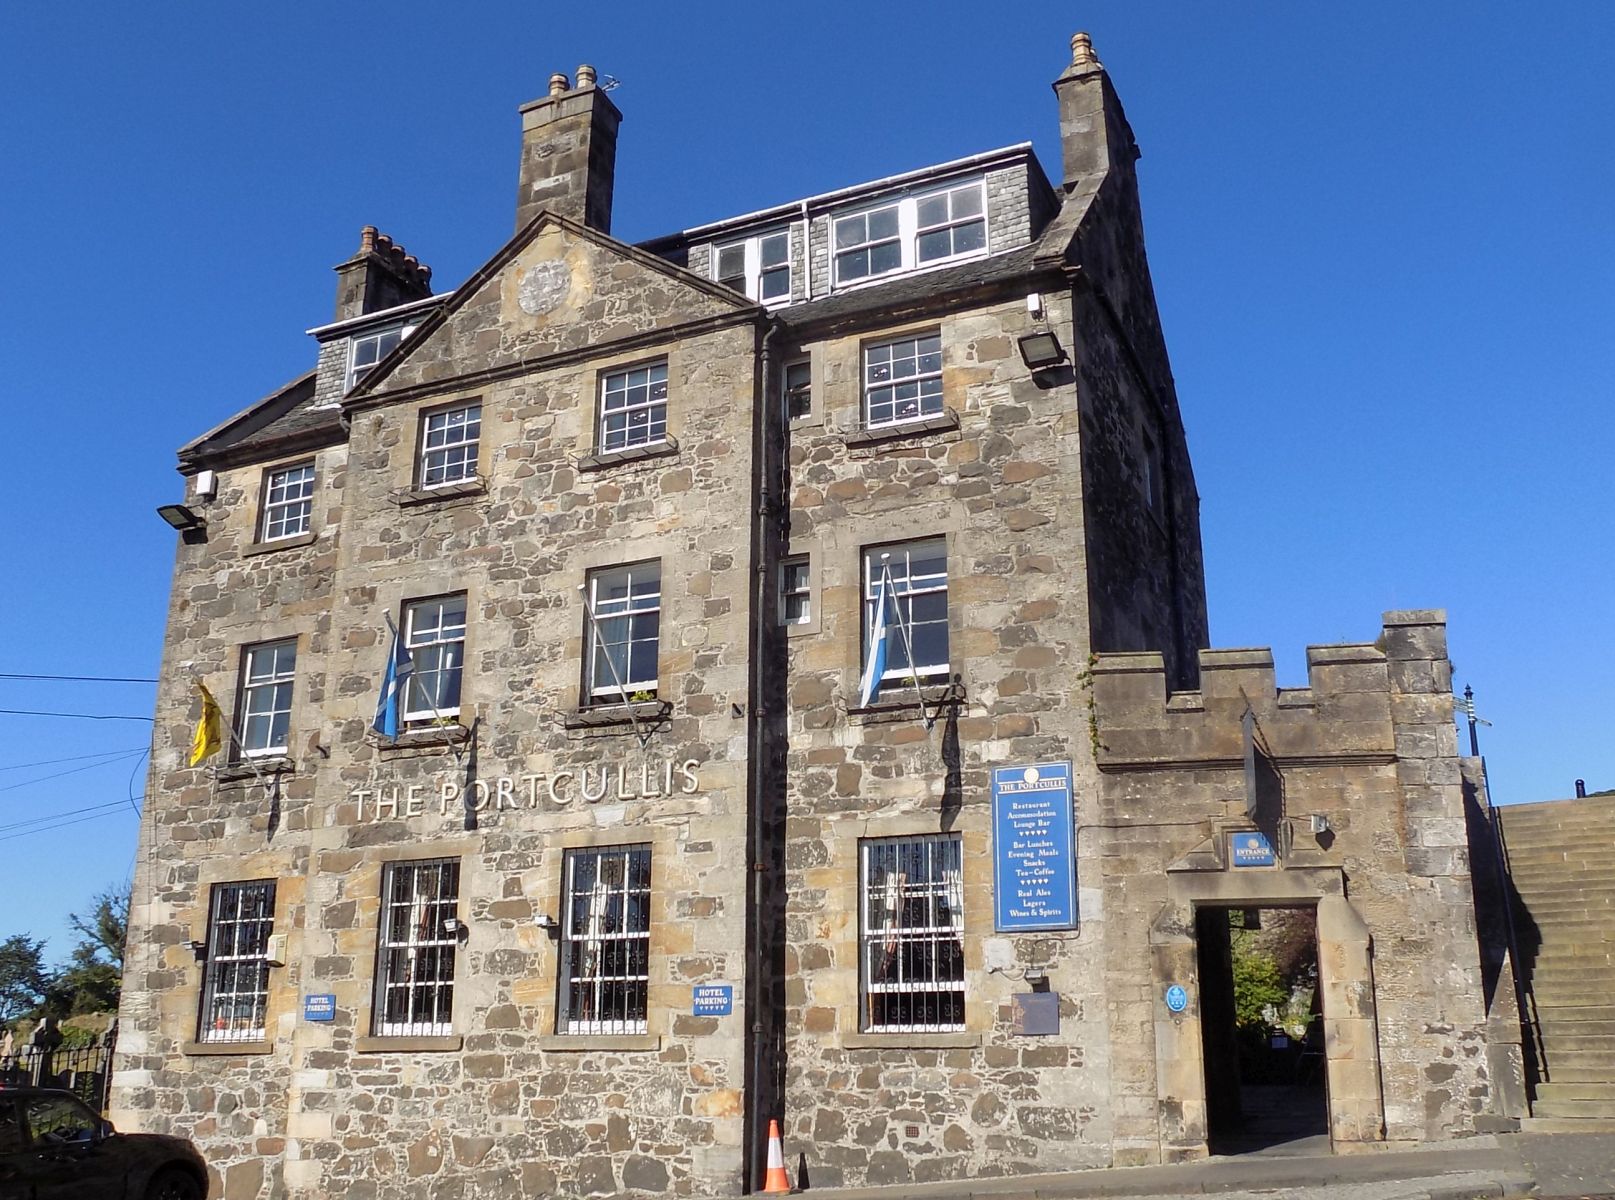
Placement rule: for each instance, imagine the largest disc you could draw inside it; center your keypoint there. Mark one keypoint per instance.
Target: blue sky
(1380, 235)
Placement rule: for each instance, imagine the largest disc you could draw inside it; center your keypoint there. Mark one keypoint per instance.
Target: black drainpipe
(760, 1067)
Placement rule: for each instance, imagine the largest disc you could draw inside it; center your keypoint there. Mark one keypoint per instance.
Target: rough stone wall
(1446, 1041)
(1136, 604)
(1129, 394)
(1173, 788)
(1004, 489)
(504, 1105)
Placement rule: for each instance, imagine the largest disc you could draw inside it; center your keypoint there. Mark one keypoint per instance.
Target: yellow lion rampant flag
(208, 738)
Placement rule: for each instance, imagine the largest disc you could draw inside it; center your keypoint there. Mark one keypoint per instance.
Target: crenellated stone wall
(1368, 747)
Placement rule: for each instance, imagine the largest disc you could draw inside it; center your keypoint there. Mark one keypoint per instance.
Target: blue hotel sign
(1251, 849)
(713, 1000)
(321, 1006)
(1034, 848)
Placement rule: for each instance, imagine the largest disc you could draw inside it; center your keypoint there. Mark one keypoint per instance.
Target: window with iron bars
(605, 942)
(911, 923)
(235, 982)
(415, 951)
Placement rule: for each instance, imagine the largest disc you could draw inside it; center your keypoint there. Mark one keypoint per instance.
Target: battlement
(1357, 695)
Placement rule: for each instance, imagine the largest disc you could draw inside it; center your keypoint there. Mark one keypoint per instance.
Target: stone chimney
(1094, 134)
(569, 153)
(379, 276)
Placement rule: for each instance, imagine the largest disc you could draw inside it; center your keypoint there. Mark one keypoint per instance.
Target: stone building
(801, 712)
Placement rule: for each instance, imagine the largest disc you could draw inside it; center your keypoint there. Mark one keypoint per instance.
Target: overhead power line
(71, 771)
(53, 817)
(30, 712)
(51, 762)
(96, 816)
(81, 678)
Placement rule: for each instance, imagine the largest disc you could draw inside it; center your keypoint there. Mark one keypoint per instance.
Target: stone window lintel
(945, 420)
(219, 1049)
(286, 543)
(434, 1043)
(666, 448)
(410, 497)
(248, 770)
(617, 714)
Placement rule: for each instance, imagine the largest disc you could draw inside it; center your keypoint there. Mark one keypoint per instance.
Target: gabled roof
(724, 304)
(284, 421)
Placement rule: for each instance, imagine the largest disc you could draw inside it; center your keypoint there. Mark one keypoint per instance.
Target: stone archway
(1346, 982)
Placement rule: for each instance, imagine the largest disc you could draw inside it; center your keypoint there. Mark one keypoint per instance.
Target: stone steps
(1593, 1109)
(1574, 1070)
(1566, 888)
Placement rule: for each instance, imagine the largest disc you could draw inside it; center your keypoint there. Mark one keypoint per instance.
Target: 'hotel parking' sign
(1034, 848)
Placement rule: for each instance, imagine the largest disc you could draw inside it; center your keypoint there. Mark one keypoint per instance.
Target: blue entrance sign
(1176, 998)
(319, 1007)
(713, 1000)
(1034, 848)
(1251, 850)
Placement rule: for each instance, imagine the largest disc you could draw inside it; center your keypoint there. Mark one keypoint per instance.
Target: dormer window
(915, 231)
(868, 243)
(368, 349)
(950, 223)
(759, 266)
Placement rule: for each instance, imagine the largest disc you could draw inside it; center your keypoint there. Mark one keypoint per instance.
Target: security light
(1040, 351)
(181, 518)
(199, 949)
(453, 926)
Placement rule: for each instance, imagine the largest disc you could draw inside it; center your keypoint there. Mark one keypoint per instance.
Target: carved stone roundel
(543, 287)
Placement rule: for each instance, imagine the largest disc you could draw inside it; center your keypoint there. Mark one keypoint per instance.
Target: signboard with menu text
(1034, 848)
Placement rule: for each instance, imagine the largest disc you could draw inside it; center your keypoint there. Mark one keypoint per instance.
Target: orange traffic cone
(775, 1180)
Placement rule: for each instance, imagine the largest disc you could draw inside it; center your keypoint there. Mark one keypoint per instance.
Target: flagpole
(616, 678)
(229, 732)
(908, 642)
(403, 687)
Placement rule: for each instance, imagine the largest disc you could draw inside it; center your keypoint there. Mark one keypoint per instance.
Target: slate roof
(284, 420)
(909, 293)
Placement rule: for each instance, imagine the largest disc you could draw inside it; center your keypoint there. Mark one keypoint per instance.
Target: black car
(54, 1147)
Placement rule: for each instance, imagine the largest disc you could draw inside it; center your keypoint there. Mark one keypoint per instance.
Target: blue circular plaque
(1176, 998)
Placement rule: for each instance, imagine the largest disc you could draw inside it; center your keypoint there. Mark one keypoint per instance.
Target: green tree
(1258, 985)
(92, 979)
(23, 978)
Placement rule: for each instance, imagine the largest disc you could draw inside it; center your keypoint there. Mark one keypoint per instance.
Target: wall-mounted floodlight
(181, 517)
(547, 923)
(454, 927)
(199, 949)
(1040, 351)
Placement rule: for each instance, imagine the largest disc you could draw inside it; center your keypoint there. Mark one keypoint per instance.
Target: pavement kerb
(1471, 1156)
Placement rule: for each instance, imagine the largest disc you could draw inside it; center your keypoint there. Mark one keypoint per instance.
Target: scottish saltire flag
(393, 683)
(879, 630)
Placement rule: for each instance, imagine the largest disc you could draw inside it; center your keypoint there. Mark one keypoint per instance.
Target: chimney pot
(1082, 54)
(569, 153)
(381, 275)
